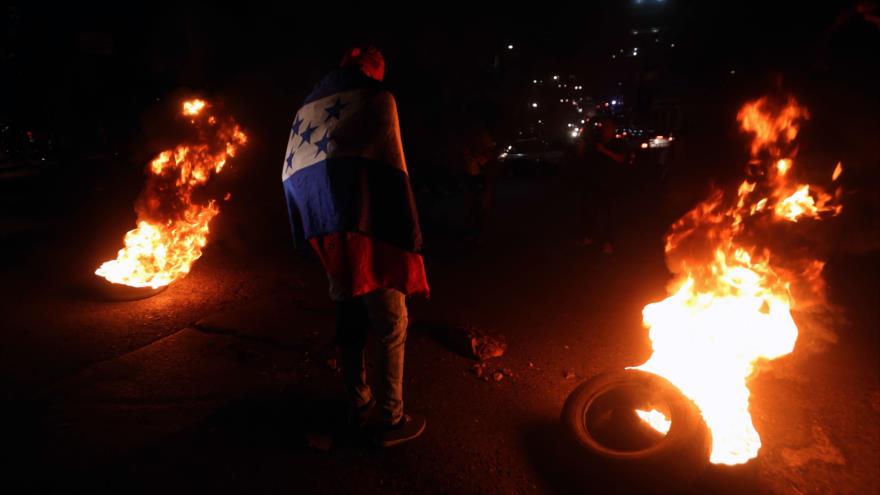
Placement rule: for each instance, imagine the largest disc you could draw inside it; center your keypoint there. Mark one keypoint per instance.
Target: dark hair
(606, 119)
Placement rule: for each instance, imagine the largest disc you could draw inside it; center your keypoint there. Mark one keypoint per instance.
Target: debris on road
(478, 369)
(486, 347)
(487, 373)
(480, 344)
(467, 340)
(319, 441)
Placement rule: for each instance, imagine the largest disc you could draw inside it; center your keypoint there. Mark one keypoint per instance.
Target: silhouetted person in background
(479, 159)
(604, 159)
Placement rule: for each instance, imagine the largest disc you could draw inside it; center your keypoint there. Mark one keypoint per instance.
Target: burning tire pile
(173, 226)
(729, 309)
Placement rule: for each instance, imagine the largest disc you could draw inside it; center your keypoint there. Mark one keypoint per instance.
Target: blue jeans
(384, 312)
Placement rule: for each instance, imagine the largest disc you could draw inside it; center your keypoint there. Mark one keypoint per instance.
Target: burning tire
(120, 292)
(601, 417)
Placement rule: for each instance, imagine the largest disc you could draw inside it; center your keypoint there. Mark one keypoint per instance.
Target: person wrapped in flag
(349, 196)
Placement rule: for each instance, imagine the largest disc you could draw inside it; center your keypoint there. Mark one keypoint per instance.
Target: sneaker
(408, 428)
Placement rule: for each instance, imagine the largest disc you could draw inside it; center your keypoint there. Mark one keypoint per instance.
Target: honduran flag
(347, 187)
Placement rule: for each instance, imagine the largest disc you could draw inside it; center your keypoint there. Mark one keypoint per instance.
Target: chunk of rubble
(478, 369)
(319, 442)
(483, 345)
(468, 340)
(487, 373)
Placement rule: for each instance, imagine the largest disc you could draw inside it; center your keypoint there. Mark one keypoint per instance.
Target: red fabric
(358, 265)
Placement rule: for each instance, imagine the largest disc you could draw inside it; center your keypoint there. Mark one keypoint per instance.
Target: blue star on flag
(297, 122)
(307, 134)
(335, 110)
(323, 143)
(290, 159)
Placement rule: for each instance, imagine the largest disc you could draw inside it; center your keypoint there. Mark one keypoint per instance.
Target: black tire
(674, 459)
(110, 291)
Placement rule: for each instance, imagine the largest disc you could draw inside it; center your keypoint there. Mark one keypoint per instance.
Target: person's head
(367, 58)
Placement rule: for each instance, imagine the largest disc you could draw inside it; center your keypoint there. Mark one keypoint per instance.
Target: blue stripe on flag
(354, 194)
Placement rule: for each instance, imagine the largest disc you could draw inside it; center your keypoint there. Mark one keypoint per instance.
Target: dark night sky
(74, 68)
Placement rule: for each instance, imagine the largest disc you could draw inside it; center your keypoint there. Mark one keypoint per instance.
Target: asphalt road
(226, 381)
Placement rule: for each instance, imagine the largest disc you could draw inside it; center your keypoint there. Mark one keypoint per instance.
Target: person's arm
(617, 157)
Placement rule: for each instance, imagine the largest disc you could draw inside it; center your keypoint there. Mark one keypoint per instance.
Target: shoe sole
(398, 441)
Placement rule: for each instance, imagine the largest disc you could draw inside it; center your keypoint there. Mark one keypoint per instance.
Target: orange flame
(837, 171)
(655, 419)
(193, 107)
(802, 204)
(771, 129)
(783, 166)
(172, 229)
(730, 305)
